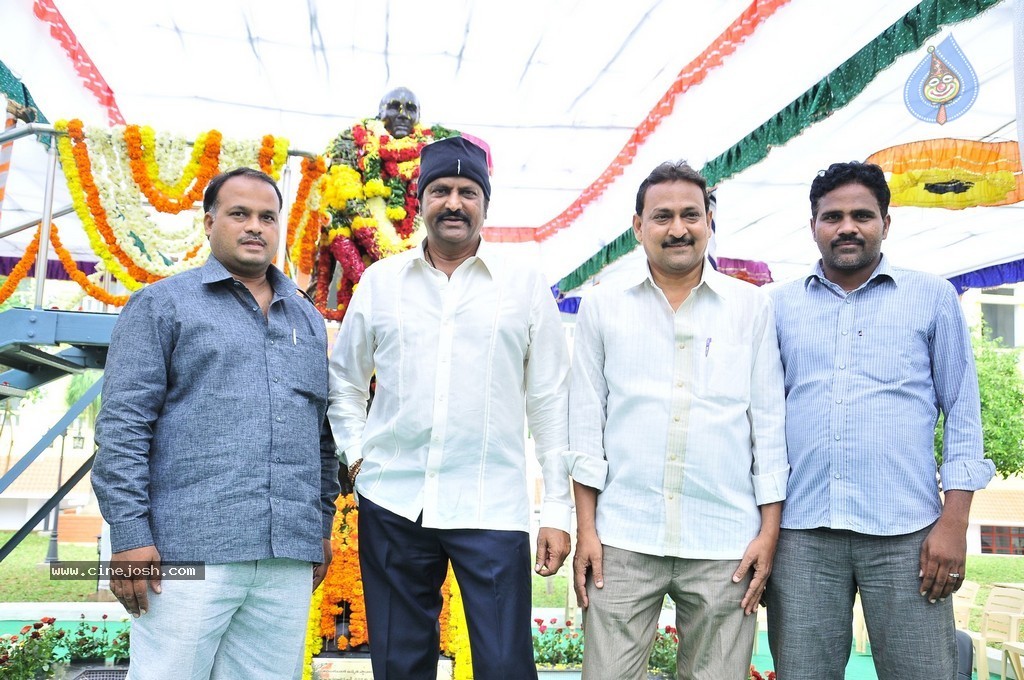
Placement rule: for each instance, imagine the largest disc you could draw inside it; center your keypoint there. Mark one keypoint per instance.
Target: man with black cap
(463, 345)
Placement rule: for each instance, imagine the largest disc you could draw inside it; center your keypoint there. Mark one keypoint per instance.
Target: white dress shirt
(678, 418)
(458, 363)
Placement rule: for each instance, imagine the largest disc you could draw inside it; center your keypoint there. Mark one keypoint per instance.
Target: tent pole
(46, 219)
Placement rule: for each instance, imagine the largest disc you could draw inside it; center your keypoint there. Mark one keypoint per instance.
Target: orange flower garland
(208, 165)
(304, 223)
(95, 210)
(343, 583)
(79, 277)
(21, 269)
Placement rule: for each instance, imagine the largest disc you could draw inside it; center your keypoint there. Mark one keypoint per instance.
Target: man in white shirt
(463, 345)
(676, 415)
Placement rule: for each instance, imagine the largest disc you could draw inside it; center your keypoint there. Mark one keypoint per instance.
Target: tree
(1001, 384)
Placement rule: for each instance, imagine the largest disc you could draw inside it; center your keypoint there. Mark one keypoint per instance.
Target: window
(1000, 320)
(1002, 540)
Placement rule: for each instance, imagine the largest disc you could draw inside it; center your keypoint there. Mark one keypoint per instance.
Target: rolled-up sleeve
(964, 466)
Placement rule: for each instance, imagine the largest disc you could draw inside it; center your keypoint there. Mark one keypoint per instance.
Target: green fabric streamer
(16, 91)
(828, 95)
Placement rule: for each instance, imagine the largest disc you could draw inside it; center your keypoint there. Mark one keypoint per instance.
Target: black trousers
(403, 568)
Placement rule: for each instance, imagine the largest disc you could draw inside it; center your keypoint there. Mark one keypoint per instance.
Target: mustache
(851, 238)
(252, 238)
(457, 214)
(678, 241)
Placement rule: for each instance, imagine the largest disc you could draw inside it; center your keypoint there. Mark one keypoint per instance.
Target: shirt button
(842, 367)
(682, 346)
(255, 309)
(837, 437)
(679, 383)
(845, 332)
(433, 474)
(271, 342)
(277, 379)
(838, 476)
(675, 418)
(848, 301)
(672, 457)
(277, 460)
(279, 419)
(670, 496)
(839, 401)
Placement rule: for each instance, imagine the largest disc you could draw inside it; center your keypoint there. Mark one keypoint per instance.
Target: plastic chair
(1000, 621)
(964, 603)
(860, 627)
(1011, 653)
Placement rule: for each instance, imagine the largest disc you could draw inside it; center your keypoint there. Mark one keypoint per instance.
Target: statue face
(400, 111)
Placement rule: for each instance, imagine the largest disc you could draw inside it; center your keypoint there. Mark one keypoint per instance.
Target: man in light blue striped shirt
(872, 354)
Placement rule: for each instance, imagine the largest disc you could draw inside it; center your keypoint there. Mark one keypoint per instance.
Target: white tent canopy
(556, 88)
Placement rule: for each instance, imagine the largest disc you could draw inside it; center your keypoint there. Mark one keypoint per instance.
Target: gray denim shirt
(213, 445)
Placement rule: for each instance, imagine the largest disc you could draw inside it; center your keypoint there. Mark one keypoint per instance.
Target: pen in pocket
(707, 347)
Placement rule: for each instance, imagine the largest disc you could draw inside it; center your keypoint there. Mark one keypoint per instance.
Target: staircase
(38, 346)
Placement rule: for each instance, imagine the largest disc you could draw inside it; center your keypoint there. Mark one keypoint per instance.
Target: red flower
(554, 620)
(26, 629)
(542, 628)
(539, 622)
(568, 622)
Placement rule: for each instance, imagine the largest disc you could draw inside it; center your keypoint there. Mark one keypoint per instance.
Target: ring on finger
(954, 575)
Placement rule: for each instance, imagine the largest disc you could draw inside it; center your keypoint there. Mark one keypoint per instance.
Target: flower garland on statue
(314, 643)
(455, 635)
(343, 586)
(370, 196)
(343, 583)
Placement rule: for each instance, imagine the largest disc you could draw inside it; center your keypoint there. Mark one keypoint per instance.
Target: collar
(487, 253)
(710, 278)
(884, 269)
(213, 272)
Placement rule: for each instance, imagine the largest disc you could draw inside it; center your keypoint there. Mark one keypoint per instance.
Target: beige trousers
(716, 639)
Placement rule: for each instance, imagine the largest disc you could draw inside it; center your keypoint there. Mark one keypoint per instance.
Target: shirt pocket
(724, 371)
(880, 352)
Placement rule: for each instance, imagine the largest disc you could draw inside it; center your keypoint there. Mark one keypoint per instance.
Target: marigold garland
(79, 277)
(314, 643)
(304, 218)
(77, 168)
(21, 269)
(369, 195)
(458, 633)
(343, 584)
(209, 163)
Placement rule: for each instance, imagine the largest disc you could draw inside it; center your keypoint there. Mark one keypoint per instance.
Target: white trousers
(243, 621)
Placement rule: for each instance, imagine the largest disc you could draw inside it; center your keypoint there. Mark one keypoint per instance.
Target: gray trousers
(715, 637)
(810, 597)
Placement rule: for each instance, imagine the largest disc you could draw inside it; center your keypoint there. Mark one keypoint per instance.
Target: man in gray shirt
(213, 448)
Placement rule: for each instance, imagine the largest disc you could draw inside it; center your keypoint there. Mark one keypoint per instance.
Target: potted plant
(31, 654)
(119, 645)
(87, 643)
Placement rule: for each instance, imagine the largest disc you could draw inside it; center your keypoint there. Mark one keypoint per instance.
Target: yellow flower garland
(314, 643)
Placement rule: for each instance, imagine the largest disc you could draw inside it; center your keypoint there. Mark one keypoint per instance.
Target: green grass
(988, 569)
(550, 592)
(23, 579)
